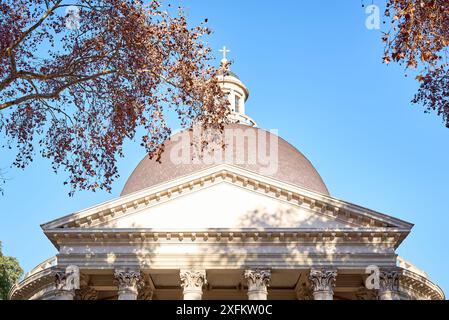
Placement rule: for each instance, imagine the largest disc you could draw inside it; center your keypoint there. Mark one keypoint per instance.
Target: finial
(225, 52)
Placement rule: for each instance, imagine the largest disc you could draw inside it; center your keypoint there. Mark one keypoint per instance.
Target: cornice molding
(318, 203)
(385, 236)
(33, 283)
(421, 286)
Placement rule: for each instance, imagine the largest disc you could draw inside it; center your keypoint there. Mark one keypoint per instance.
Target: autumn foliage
(419, 38)
(74, 92)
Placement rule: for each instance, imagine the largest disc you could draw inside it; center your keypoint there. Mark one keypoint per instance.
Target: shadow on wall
(225, 257)
(278, 252)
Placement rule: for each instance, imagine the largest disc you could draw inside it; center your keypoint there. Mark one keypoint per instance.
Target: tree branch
(53, 94)
(35, 26)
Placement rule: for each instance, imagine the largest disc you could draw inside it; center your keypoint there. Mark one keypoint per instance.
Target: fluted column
(322, 282)
(128, 283)
(389, 285)
(192, 281)
(258, 281)
(66, 283)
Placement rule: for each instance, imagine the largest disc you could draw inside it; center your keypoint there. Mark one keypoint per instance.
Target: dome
(292, 166)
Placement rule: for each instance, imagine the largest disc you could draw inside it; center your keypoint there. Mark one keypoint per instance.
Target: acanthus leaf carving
(68, 279)
(193, 279)
(322, 280)
(258, 279)
(389, 280)
(128, 280)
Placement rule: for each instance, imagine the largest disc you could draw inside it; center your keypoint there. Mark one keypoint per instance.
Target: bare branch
(54, 94)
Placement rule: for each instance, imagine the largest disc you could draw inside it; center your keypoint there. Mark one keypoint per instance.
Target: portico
(227, 230)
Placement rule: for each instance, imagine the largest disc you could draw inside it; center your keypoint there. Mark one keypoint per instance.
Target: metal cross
(225, 51)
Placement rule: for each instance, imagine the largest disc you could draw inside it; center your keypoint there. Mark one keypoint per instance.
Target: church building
(254, 221)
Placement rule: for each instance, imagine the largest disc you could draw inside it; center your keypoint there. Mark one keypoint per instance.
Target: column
(66, 283)
(389, 285)
(322, 282)
(128, 283)
(258, 281)
(193, 281)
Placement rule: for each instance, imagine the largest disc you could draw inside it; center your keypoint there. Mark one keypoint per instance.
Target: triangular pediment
(224, 205)
(227, 197)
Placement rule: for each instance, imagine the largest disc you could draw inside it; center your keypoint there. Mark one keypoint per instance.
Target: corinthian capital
(258, 279)
(322, 280)
(128, 280)
(69, 279)
(389, 281)
(192, 279)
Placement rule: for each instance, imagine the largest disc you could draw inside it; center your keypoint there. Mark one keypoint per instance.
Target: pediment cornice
(389, 236)
(319, 203)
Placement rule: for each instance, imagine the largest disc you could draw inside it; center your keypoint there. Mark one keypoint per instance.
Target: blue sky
(315, 73)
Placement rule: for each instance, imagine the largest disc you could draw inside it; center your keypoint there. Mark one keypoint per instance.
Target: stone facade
(227, 231)
(304, 246)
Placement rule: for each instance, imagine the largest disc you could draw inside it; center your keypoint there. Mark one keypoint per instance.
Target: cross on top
(225, 52)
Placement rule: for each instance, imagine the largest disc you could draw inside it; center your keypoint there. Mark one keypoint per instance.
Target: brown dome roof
(292, 167)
